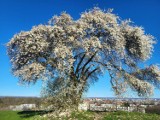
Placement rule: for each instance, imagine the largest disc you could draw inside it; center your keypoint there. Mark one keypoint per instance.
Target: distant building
(23, 107)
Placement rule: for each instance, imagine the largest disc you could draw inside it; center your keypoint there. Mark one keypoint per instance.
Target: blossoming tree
(73, 53)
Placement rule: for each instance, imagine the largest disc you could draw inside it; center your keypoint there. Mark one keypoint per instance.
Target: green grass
(131, 116)
(9, 115)
(120, 115)
(20, 115)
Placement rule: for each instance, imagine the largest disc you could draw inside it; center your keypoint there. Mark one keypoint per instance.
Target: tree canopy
(73, 53)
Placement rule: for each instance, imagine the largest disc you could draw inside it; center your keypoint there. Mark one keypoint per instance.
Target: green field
(20, 115)
(34, 115)
(9, 115)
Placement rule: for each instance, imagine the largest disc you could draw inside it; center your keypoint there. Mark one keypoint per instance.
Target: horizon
(86, 97)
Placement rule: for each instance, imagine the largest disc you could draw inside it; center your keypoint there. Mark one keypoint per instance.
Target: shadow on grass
(27, 114)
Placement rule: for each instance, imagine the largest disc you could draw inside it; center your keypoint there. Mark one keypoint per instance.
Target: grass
(20, 115)
(120, 115)
(9, 115)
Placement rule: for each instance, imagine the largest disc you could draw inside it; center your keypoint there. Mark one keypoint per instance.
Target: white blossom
(80, 50)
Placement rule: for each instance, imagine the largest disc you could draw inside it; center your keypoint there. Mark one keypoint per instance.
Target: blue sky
(17, 15)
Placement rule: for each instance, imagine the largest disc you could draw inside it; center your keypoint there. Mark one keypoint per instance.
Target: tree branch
(77, 69)
(90, 73)
(89, 60)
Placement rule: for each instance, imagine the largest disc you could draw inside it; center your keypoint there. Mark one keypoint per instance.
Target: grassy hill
(35, 115)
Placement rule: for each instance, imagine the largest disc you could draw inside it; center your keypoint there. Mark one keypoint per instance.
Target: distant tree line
(7, 101)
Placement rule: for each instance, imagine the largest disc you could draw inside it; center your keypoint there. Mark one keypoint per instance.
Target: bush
(153, 109)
